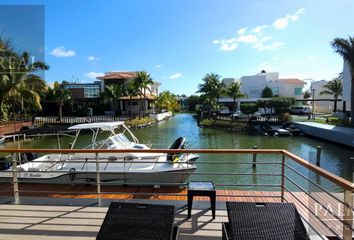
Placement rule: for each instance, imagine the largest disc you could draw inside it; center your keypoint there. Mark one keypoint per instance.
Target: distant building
(83, 92)
(322, 102)
(254, 85)
(124, 78)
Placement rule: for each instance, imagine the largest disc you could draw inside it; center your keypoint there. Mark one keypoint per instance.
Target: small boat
(268, 130)
(134, 168)
(293, 130)
(282, 132)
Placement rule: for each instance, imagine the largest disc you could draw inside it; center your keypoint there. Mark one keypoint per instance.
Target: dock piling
(318, 156)
(254, 157)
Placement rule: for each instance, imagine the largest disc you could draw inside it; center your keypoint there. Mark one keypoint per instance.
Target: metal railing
(321, 208)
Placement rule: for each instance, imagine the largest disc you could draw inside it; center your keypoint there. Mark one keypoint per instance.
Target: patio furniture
(207, 189)
(138, 221)
(266, 221)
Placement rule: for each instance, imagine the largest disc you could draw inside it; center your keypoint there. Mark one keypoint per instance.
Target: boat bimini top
(104, 127)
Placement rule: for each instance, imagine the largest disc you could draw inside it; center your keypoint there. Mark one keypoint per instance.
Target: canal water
(334, 158)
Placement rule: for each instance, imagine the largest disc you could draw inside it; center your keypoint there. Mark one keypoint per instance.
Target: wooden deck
(34, 222)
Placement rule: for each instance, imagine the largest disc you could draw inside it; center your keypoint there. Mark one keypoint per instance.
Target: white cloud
(158, 66)
(93, 58)
(247, 38)
(262, 46)
(93, 75)
(281, 23)
(175, 76)
(62, 52)
(259, 29)
(241, 31)
(227, 44)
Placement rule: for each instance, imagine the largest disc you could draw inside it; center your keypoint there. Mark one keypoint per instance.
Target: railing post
(282, 176)
(98, 181)
(347, 215)
(14, 178)
(318, 156)
(254, 157)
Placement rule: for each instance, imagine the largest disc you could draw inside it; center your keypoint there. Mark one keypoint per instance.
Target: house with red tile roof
(125, 105)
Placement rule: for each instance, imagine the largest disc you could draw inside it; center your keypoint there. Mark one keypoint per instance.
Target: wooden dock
(307, 206)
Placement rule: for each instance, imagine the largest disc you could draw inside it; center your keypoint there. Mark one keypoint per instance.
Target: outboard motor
(179, 143)
(4, 164)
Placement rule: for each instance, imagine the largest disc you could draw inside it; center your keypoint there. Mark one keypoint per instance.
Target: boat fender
(72, 174)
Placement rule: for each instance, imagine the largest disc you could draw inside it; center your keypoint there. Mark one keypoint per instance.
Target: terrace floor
(83, 222)
(77, 216)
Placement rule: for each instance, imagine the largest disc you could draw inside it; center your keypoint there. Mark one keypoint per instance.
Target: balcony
(43, 211)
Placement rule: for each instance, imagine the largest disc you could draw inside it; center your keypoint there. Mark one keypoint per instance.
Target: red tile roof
(148, 96)
(117, 75)
(292, 81)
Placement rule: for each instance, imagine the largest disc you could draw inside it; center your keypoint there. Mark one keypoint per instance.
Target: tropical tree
(19, 85)
(213, 88)
(234, 91)
(335, 88)
(167, 101)
(112, 93)
(307, 94)
(142, 82)
(131, 91)
(345, 48)
(59, 95)
(267, 92)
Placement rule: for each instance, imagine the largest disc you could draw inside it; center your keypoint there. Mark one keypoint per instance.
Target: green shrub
(249, 108)
(138, 122)
(206, 122)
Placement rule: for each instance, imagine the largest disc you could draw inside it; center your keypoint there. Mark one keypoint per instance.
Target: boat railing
(324, 200)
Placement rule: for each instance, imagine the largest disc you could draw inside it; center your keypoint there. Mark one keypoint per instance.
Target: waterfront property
(253, 86)
(123, 78)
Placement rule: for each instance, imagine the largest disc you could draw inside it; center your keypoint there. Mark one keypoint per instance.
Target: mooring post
(254, 157)
(98, 181)
(14, 178)
(318, 156)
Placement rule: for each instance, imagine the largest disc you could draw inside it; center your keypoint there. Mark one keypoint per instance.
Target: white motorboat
(115, 168)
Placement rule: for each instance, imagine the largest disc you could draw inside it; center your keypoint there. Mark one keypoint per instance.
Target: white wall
(253, 85)
(346, 82)
(325, 106)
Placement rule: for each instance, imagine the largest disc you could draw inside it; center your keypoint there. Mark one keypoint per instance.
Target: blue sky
(179, 41)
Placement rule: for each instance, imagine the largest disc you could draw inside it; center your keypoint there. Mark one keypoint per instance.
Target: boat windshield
(120, 139)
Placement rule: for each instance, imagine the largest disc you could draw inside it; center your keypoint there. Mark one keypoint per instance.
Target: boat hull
(167, 178)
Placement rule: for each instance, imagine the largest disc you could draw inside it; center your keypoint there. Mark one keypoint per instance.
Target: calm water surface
(334, 158)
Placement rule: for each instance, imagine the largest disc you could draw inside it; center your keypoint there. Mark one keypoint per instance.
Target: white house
(254, 85)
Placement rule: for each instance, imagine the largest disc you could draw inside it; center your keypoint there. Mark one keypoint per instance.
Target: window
(91, 91)
(255, 92)
(297, 91)
(275, 90)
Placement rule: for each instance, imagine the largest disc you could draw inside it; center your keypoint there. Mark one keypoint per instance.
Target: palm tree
(131, 91)
(234, 91)
(212, 88)
(59, 95)
(345, 48)
(142, 81)
(335, 88)
(18, 84)
(112, 93)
